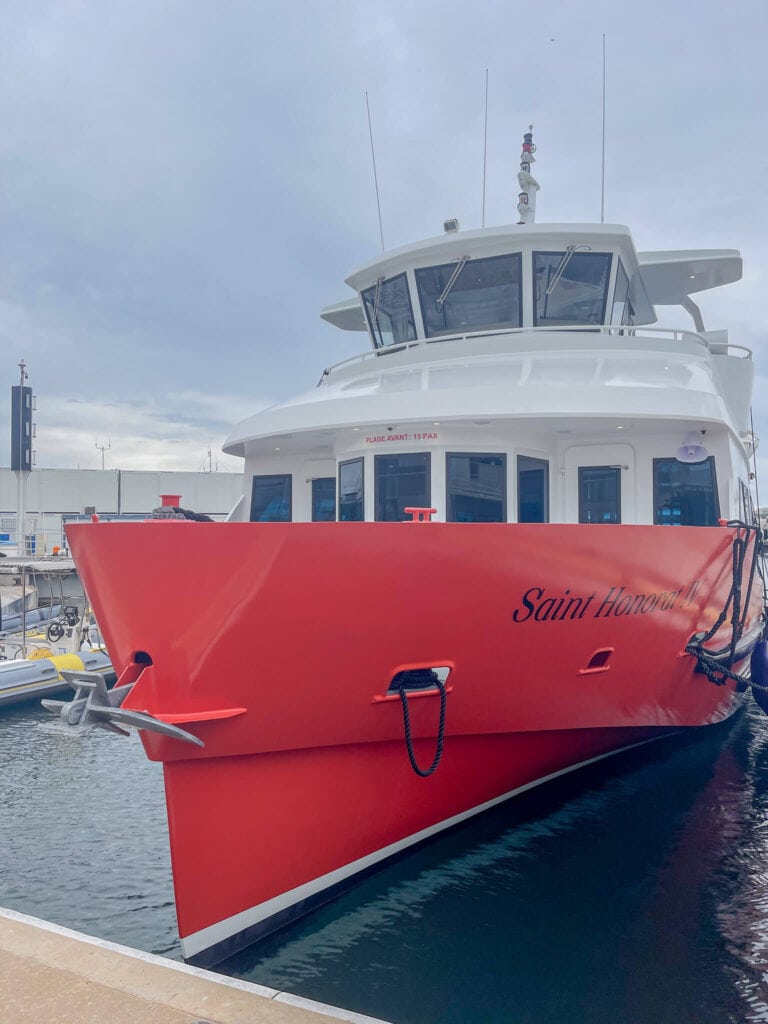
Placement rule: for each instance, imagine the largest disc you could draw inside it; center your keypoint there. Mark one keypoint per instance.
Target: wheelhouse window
(390, 314)
(324, 499)
(532, 490)
(599, 494)
(620, 309)
(476, 488)
(685, 493)
(471, 294)
(351, 494)
(571, 287)
(402, 481)
(271, 499)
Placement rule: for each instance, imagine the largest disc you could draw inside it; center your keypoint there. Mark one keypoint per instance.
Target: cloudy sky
(184, 183)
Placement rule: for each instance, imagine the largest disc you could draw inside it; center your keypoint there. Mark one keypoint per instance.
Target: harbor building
(57, 496)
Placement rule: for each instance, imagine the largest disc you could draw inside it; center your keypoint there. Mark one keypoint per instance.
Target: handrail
(610, 330)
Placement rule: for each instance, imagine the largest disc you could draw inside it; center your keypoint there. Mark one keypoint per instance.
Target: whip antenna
(375, 178)
(602, 178)
(485, 141)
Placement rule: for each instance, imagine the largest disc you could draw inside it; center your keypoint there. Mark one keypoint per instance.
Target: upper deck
(548, 313)
(524, 276)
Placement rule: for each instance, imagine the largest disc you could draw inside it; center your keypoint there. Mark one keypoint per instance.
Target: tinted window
(388, 308)
(484, 293)
(685, 493)
(599, 494)
(402, 481)
(532, 490)
(475, 488)
(351, 504)
(271, 499)
(324, 500)
(620, 309)
(570, 287)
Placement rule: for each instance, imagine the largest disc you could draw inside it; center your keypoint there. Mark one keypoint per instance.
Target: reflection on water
(635, 892)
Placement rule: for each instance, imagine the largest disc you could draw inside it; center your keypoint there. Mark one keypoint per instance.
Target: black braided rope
(424, 773)
(716, 667)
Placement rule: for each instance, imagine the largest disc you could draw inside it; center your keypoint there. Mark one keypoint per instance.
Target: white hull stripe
(194, 944)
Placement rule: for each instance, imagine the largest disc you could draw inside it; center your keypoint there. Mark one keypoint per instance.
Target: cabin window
(324, 499)
(476, 488)
(390, 314)
(471, 294)
(685, 493)
(599, 494)
(402, 481)
(271, 498)
(620, 310)
(351, 495)
(570, 287)
(532, 490)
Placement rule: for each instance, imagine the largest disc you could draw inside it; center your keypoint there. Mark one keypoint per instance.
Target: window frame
(710, 459)
(314, 499)
(377, 459)
(615, 301)
(375, 329)
(547, 486)
(419, 272)
(342, 465)
(572, 323)
(617, 473)
(272, 476)
(476, 455)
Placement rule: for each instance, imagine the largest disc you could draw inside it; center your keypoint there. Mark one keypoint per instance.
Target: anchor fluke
(96, 707)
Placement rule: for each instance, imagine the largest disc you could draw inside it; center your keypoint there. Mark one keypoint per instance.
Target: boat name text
(540, 606)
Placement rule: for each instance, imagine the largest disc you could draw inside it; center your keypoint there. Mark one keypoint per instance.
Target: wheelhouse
(515, 375)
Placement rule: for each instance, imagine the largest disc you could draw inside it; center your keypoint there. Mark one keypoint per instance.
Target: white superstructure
(535, 349)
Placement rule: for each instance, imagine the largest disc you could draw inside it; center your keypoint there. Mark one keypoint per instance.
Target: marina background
(185, 185)
(633, 891)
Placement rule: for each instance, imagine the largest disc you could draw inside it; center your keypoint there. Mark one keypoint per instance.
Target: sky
(185, 183)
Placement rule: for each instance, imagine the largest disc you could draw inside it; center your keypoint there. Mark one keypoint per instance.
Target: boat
(513, 537)
(47, 629)
(43, 674)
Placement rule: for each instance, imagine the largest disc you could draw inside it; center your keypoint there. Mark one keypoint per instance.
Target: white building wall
(54, 493)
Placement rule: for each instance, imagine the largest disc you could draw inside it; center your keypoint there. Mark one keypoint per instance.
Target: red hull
(276, 645)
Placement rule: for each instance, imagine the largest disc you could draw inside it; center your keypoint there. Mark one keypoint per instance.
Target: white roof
(670, 277)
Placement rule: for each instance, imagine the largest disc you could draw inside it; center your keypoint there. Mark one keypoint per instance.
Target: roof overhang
(348, 315)
(670, 277)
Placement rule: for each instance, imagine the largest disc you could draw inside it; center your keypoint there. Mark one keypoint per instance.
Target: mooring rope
(717, 665)
(401, 689)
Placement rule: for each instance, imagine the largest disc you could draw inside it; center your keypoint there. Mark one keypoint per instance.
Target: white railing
(674, 334)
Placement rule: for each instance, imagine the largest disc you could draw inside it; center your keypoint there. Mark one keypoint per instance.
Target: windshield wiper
(452, 280)
(569, 251)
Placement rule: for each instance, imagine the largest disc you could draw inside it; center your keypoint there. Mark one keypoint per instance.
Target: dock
(51, 973)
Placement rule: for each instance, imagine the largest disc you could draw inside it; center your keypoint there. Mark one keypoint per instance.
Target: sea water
(632, 892)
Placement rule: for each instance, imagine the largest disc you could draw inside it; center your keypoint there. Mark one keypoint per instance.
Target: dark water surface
(634, 892)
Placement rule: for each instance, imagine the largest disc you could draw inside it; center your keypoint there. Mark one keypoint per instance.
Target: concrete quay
(50, 973)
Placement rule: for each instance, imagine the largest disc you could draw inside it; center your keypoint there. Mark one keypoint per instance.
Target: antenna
(375, 178)
(602, 177)
(103, 448)
(485, 141)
